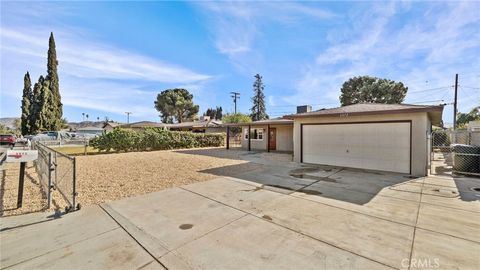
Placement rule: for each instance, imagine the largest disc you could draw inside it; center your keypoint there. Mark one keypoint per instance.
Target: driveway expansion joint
(123, 227)
(293, 230)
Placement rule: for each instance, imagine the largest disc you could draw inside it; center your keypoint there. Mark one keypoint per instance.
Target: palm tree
(86, 115)
(83, 116)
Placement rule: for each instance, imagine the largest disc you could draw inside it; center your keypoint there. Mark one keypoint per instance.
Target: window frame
(260, 132)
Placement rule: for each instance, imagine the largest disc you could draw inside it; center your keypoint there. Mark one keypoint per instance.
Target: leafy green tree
(5, 130)
(258, 109)
(26, 105)
(176, 103)
(464, 118)
(236, 118)
(56, 111)
(366, 89)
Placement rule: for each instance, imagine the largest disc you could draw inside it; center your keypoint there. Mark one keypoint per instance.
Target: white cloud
(235, 26)
(88, 59)
(93, 75)
(432, 47)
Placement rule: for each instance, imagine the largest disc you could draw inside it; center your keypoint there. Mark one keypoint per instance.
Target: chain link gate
(57, 173)
(456, 151)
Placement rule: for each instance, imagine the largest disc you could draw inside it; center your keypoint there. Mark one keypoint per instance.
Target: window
(257, 133)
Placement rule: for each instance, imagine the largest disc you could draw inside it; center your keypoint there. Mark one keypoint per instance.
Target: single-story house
(203, 125)
(385, 137)
(138, 126)
(109, 126)
(89, 130)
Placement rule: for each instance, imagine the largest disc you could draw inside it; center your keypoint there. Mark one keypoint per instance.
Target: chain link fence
(44, 169)
(458, 150)
(57, 173)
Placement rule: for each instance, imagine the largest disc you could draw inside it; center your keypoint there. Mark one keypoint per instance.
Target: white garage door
(375, 146)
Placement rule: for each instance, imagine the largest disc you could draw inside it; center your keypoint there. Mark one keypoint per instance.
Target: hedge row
(154, 139)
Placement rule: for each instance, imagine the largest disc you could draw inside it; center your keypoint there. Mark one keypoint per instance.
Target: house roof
(197, 124)
(111, 124)
(275, 121)
(89, 128)
(143, 124)
(435, 112)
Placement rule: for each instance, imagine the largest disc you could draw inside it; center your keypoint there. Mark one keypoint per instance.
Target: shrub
(154, 139)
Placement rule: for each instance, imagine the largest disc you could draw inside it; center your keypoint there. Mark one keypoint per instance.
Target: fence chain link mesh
(459, 149)
(57, 173)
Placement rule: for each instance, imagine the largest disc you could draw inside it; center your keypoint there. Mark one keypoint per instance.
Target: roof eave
(409, 110)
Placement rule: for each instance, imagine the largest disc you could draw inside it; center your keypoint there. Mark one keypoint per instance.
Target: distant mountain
(8, 122)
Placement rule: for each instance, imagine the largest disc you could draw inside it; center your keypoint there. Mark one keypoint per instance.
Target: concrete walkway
(231, 223)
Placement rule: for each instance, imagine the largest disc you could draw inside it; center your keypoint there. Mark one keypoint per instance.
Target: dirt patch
(34, 195)
(108, 177)
(102, 178)
(33, 198)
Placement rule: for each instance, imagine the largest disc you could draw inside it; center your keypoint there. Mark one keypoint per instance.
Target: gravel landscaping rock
(108, 177)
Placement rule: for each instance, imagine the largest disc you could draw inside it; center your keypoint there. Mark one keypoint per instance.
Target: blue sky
(117, 56)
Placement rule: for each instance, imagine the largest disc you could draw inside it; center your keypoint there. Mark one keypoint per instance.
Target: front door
(272, 139)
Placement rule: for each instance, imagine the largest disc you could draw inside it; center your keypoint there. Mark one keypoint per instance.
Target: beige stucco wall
(420, 127)
(284, 138)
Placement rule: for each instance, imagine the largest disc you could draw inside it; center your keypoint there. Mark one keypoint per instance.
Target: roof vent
(304, 109)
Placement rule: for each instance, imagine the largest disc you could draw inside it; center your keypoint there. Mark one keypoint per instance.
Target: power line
(128, 116)
(431, 89)
(235, 96)
(469, 87)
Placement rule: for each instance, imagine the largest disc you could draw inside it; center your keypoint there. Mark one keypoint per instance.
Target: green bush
(154, 139)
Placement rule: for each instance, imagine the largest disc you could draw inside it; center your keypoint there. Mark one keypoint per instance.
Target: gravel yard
(107, 177)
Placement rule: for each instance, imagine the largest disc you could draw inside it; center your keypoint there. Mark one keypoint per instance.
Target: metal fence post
(49, 188)
(74, 194)
(55, 163)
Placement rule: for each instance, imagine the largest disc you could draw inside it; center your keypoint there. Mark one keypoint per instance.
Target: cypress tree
(26, 105)
(258, 109)
(55, 111)
(40, 117)
(219, 113)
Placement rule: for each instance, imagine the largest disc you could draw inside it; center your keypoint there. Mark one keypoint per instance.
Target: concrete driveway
(272, 214)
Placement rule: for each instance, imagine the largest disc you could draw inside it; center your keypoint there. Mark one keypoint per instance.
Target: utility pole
(455, 103)
(235, 95)
(128, 117)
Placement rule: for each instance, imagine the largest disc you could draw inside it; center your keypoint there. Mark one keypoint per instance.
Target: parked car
(7, 139)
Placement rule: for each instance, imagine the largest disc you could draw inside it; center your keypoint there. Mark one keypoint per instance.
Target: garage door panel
(378, 146)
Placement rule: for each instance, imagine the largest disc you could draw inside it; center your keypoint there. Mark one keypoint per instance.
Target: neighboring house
(474, 126)
(204, 125)
(138, 126)
(109, 126)
(385, 137)
(90, 130)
